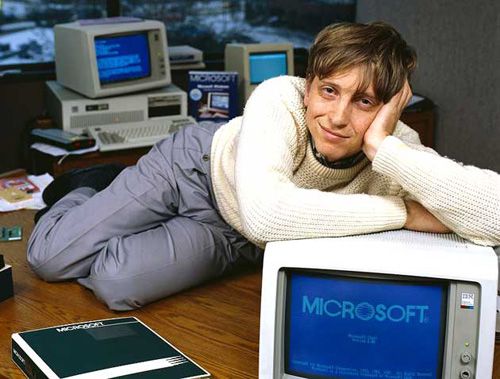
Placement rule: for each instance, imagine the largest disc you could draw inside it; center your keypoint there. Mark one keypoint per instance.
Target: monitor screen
(219, 101)
(267, 65)
(353, 327)
(122, 58)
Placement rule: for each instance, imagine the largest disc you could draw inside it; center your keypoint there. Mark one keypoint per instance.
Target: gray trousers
(155, 230)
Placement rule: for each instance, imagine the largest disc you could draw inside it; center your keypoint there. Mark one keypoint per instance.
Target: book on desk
(112, 348)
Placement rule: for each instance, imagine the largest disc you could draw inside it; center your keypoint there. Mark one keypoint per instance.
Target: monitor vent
(86, 121)
(425, 240)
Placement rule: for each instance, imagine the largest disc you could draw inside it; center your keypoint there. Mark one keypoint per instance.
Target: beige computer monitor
(255, 63)
(99, 59)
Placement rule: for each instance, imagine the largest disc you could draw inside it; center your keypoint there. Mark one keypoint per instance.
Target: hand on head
(385, 121)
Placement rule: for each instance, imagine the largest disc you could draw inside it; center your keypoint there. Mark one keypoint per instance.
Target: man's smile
(331, 135)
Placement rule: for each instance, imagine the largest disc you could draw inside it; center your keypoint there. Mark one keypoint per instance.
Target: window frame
(23, 72)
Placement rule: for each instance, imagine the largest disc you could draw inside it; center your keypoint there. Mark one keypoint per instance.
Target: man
(324, 156)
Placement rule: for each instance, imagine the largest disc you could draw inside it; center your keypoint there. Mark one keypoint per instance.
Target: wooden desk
(216, 324)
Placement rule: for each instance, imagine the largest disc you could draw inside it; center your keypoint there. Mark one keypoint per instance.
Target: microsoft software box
(213, 95)
(113, 348)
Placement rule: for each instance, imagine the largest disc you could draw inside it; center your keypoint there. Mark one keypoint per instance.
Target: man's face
(338, 115)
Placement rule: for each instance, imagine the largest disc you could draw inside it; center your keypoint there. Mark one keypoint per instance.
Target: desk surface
(217, 324)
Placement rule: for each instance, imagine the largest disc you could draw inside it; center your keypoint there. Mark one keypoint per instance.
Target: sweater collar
(344, 163)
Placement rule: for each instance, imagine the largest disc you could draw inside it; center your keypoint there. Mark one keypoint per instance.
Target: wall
(20, 103)
(458, 47)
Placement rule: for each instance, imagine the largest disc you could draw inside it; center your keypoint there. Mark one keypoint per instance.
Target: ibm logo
(467, 300)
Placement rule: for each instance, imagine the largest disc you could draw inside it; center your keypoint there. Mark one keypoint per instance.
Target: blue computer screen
(122, 58)
(219, 101)
(346, 327)
(267, 65)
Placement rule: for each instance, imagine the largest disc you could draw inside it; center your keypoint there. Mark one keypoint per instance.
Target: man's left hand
(385, 121)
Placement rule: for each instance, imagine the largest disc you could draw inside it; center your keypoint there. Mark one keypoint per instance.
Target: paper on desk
(58, 151)
(36, 201)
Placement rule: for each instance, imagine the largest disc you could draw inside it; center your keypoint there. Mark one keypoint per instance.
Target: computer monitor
(218, 102)
(102, 58)
(389, 305)
(256, 63)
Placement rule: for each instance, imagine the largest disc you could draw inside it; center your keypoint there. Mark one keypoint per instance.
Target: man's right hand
(421, 220)
(385, 121)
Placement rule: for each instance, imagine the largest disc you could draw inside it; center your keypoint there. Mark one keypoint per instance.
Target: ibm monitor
(256, 63)
(106, 59)
(400, 305)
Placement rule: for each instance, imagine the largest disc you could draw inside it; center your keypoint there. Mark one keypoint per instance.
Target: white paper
(58, 151)
(36, 201)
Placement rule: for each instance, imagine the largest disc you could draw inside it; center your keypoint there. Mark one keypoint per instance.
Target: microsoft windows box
(113, 348)
(213, 95)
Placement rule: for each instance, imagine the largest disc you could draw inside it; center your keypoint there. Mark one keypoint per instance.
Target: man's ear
(306, 93)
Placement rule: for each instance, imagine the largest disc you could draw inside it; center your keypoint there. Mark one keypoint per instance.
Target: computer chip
(14, 233)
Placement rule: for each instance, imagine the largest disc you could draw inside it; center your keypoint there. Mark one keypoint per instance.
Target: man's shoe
(97, 177)
(40, 213)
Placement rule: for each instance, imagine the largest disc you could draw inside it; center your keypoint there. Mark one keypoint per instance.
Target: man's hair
(377, 47)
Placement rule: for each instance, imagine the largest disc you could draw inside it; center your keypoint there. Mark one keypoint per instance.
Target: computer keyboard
(132, 135)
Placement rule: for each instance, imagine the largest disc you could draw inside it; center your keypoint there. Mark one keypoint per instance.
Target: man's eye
(328, 90)
(366, 102)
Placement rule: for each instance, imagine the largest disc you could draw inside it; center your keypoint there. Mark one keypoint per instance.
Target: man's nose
(340, 113)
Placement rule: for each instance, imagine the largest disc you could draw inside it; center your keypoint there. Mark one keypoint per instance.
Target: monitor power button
(466, 357)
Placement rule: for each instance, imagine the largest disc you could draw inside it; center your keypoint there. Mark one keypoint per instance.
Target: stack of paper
(19, 191)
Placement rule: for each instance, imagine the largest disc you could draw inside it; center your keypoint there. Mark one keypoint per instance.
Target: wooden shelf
(423, 123)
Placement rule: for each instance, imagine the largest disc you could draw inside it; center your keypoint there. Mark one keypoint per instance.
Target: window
(26, 36)
(210, 24)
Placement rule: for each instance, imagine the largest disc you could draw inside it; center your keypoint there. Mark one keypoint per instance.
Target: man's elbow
(261, 230)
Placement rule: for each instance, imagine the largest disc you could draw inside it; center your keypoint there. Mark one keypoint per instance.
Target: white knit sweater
(269, 186)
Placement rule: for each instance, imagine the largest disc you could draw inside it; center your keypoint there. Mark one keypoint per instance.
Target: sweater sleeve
(271, 206)
(464, 198)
